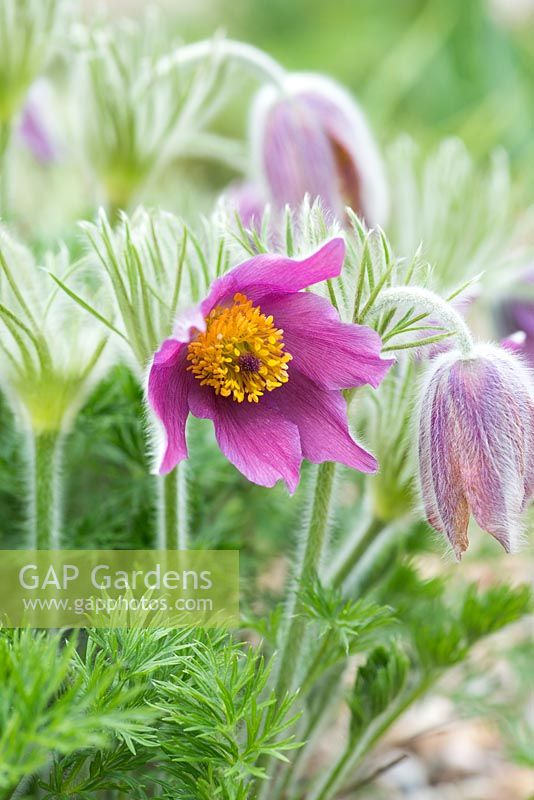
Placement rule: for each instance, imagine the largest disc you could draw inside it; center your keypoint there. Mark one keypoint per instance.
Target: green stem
(309, 560)
(173, 518)
(356, 551)
(390, 538)
(323, 708)
(45, 490)
(356, 751)
(312, 551)
(5, 136)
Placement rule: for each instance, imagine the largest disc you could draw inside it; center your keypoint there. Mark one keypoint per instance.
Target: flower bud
(314, 140)
(476, 444)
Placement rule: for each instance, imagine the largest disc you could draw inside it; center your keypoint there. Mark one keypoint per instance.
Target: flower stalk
(310, 560)
(354, 752)
(246, 55)
(46, 450)
(5, 136)
(172, 510)
(355, 551)
(429, 302)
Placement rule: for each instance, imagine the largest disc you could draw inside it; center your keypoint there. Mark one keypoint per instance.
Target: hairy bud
(476, 444)
(314, 140)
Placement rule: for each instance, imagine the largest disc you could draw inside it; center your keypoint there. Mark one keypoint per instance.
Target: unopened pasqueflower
(266, 363)
(476, 444)
(314, 139)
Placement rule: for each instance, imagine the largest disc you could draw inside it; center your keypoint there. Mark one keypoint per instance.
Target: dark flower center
(249, 363)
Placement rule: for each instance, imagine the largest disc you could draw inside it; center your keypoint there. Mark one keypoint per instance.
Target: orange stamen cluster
(241, 353)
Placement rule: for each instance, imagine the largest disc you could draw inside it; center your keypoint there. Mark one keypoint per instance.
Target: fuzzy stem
(258, 62)
(45, 489)
(310, 559)
(432, 303)
(172, 516)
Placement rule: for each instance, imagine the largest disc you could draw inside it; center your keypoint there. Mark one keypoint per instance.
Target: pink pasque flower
(476, 444)
(266, 362)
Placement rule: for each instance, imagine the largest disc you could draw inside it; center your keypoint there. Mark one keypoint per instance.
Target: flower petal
(442, 489)
(168, 384)
(296, 156)
(476, 446)
(268, 273)
(492, 450)
(321, 416)
(334, 354)
(259, 441)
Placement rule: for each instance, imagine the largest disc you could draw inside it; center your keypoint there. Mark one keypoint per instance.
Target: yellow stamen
(241, 353)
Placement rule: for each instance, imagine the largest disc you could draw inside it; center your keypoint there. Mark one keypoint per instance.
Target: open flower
(266, 363)
(476, 444)
(314, 140)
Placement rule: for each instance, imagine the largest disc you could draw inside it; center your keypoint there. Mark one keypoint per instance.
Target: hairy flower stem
(310, 559)
(172, 511)
(45, 489)
(246, 55)
(431, 303)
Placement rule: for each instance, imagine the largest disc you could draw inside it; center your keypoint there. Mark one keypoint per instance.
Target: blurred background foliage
(426, 67)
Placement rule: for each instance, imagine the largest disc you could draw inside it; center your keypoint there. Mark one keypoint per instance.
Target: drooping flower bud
(315, 140)
(476, 444)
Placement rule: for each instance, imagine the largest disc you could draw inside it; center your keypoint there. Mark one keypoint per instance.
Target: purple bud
(314, 139)
(36, 127)
(476, 444)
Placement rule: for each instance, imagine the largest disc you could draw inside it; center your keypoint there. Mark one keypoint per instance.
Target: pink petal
(333, 354)
(259, 441)
(445, 503)
(268, 273)
(297, 156)
(493, 446)
(168, 384)
(321, 416)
